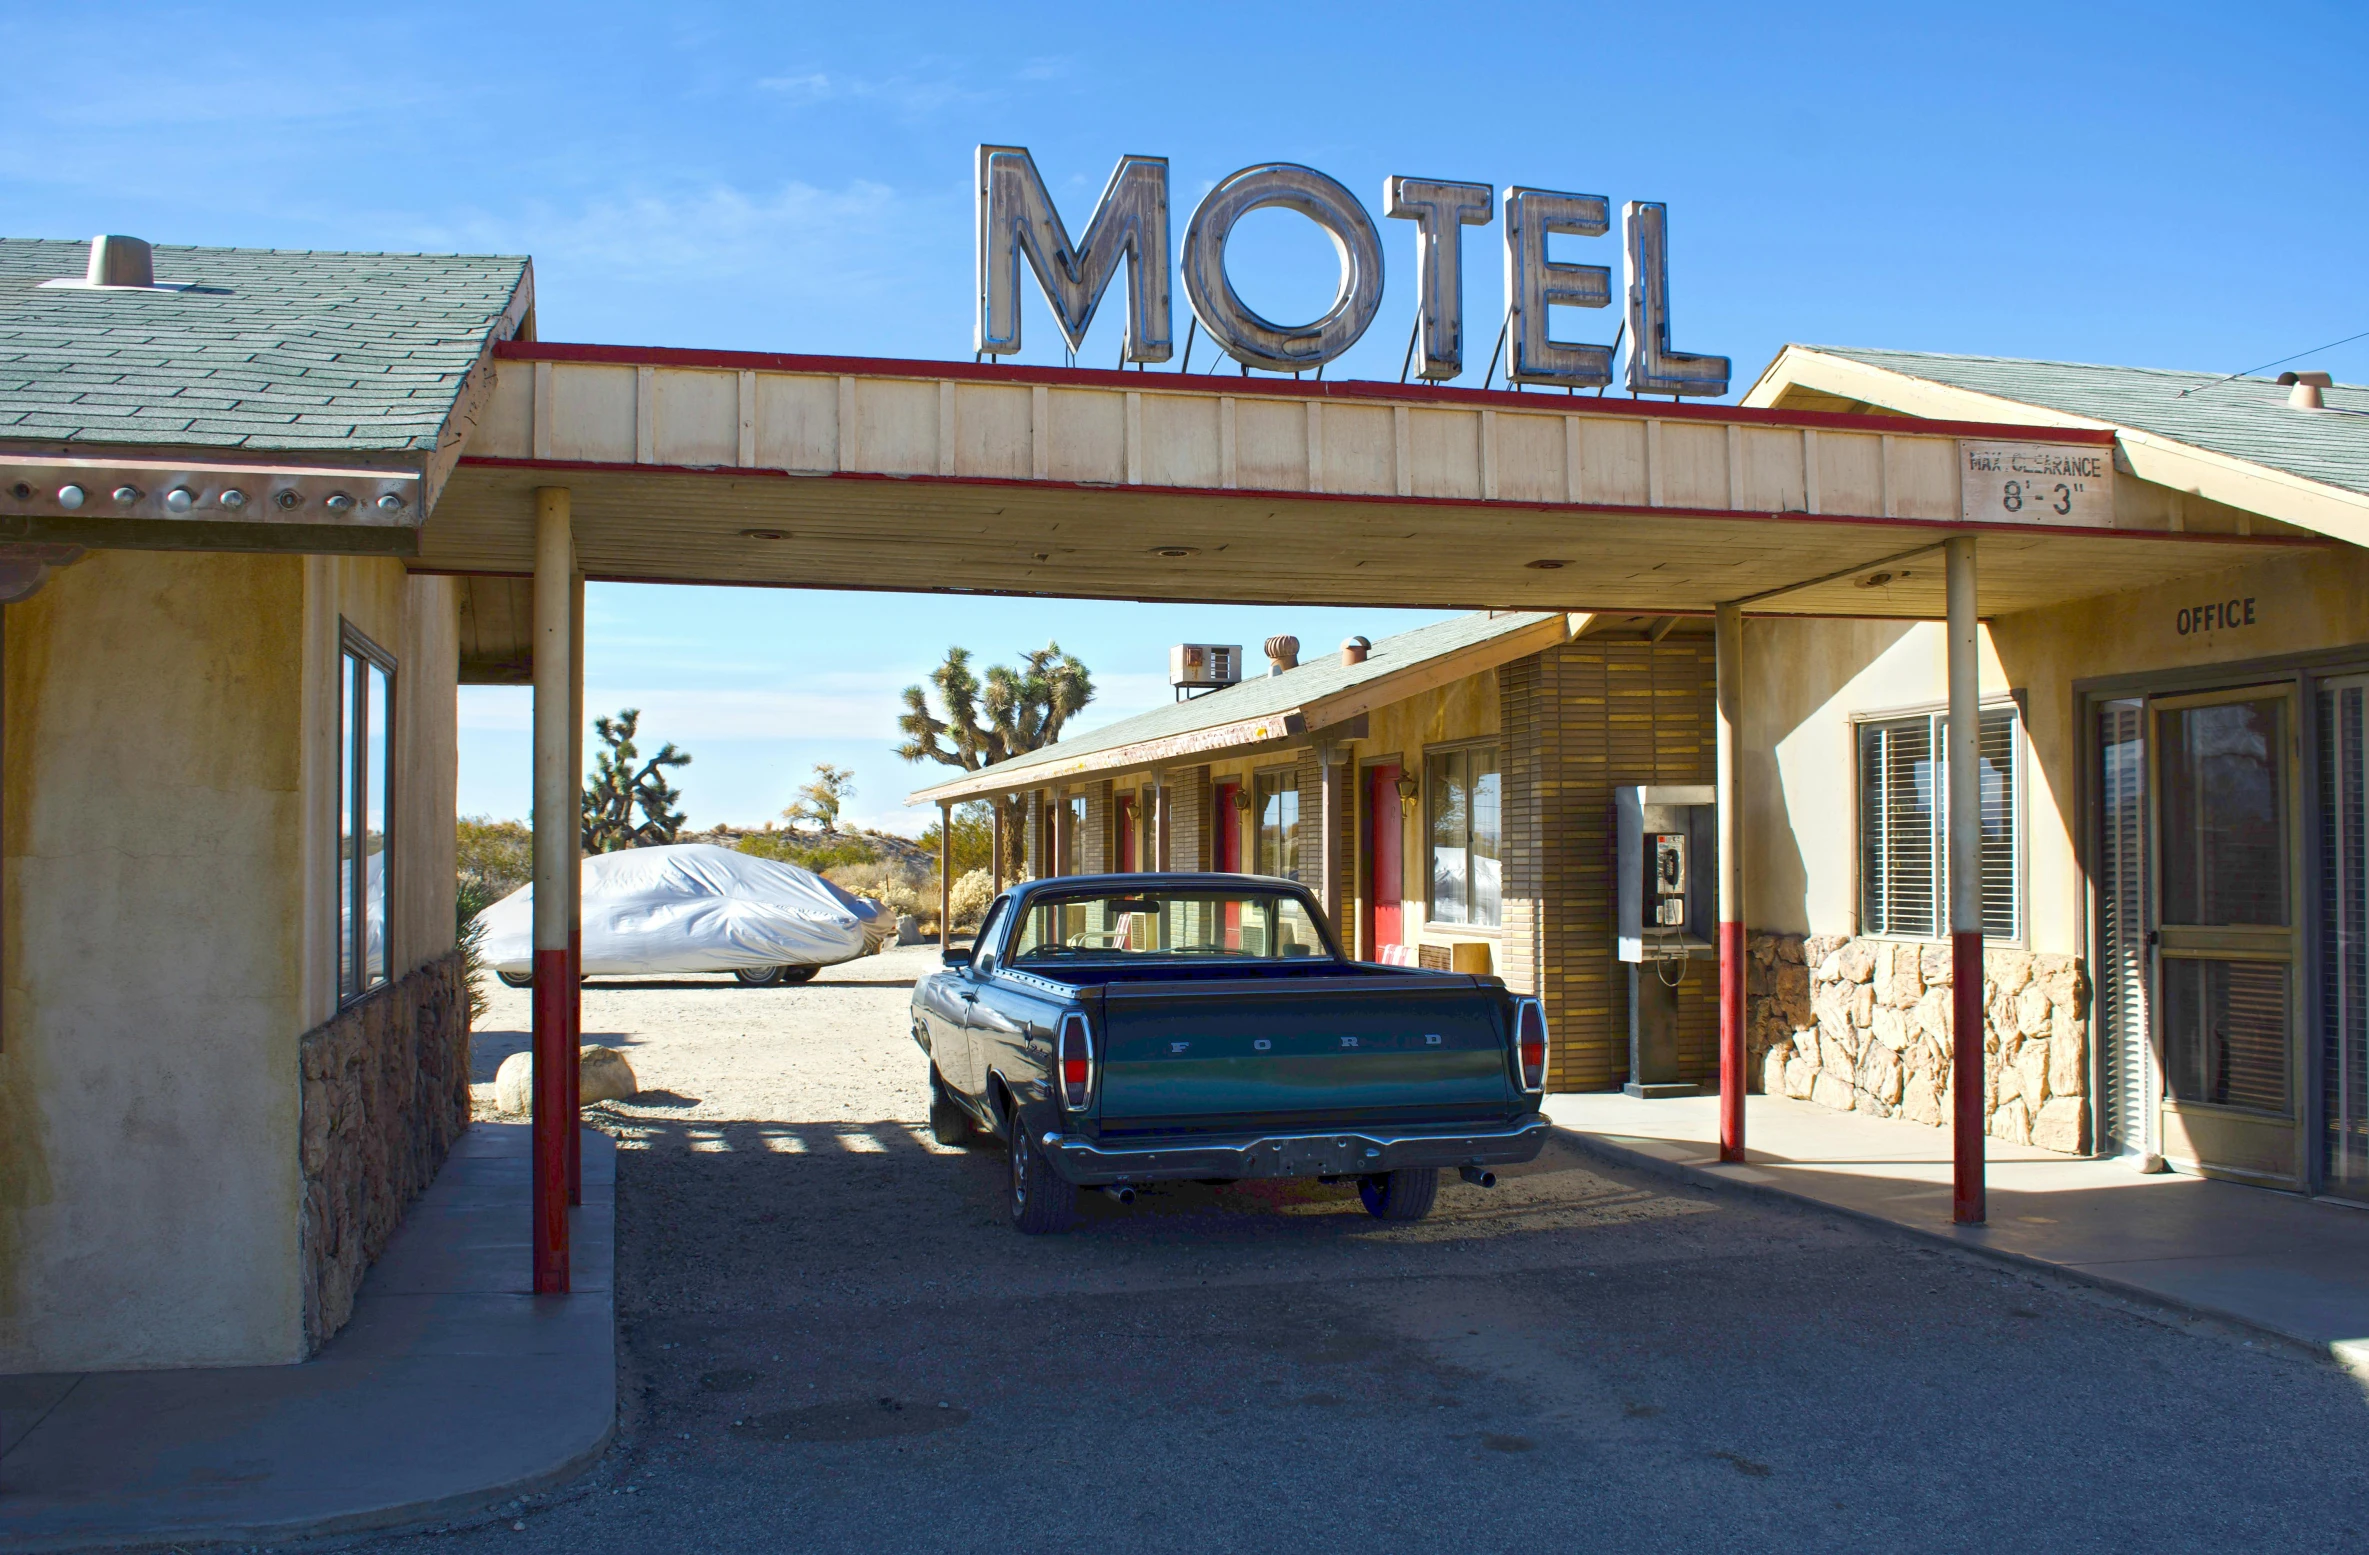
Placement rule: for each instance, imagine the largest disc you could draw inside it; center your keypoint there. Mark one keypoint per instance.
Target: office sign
(2036, 483)
(1018, 227)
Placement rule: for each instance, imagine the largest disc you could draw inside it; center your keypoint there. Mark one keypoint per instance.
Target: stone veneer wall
(386, 1092)
(1863, 1025)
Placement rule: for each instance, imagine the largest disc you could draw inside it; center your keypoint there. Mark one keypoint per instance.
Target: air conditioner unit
(1204, 666)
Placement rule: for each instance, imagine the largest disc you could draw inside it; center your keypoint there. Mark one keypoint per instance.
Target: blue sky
(2168, 185)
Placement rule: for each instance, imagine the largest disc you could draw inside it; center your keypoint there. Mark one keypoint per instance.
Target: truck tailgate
(1319, 1052)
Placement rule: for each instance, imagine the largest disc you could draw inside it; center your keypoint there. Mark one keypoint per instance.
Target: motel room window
(1277, 799)
(1903, 840)
(365, 791)
(1463, 797)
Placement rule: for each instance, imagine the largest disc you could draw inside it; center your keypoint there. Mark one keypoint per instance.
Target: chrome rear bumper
(1341, 1153)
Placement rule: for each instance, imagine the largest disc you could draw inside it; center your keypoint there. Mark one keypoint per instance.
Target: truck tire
(949, 1124)
(1405, 1194)
(1041, 1200)
(516, 979)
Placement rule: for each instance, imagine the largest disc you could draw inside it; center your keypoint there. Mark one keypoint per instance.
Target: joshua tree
(819, 800)
(1013, 712)
(617, 788)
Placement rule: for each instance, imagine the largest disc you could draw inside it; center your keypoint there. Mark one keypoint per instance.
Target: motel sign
(1129, 227)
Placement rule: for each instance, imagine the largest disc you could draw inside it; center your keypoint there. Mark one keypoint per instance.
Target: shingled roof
(265, 349)
(1270, 707)
(2245, 418)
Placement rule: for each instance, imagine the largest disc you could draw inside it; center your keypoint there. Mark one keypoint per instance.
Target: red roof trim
(1943, 526)
(1347, 391)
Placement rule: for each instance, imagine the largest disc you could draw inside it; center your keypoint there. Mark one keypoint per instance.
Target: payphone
(1664, 917)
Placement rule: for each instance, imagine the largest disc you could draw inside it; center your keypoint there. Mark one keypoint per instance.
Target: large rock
(1890, 1028)
(1932, 1014)
(2011, 1123)
(2063, 1124)
(1920, 1101)
(2068, 1059)
(1793, 992)
(1833, 1091)
(2031, 1063)
(1856, 961)
(1805, 1046)
(1862, 1004)
(2008, 970)
(606, 1076)
(514, 1085)
(1879, 1074)
(1900, 979)
(1772, 1069)
(1800, 1078)
(1938, 964)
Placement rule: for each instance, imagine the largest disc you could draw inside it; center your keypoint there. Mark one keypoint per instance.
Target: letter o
(2183, 623)
(1239, 331)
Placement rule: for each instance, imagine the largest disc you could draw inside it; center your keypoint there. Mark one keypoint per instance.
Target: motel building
(1682, 766)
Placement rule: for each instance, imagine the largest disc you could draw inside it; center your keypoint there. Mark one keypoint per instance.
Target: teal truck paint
(1122, 1030)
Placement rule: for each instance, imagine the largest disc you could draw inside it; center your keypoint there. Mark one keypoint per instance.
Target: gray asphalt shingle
(2244, 418)
(274, 349)
(1311, 681)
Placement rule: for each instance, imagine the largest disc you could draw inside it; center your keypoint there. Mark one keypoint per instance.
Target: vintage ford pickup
(1117, 1030)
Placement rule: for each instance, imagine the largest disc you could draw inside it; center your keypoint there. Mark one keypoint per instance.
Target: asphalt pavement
(830, 1340)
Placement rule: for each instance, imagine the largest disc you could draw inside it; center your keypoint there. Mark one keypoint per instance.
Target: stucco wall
(148, 1201)
(170, 841)
(1806, 681)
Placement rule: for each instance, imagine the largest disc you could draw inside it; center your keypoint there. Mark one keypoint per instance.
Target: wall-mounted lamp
(1408, 788)
(1241, 798)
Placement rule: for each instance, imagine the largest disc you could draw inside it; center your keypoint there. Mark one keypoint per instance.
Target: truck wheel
(949, 1124)
(1401, 1195)
(1042, 1200)
(798, 974)
(516, 979)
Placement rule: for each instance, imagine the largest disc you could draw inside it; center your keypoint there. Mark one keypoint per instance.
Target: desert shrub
(820, 854)
(494, 858)
(967, 903)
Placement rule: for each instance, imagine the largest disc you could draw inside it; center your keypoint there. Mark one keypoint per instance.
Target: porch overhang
(734, 468)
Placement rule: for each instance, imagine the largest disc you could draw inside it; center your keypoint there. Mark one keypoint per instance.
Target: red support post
(1728, 657)
(1968, 1200)
(1962, 794)
(575, 1064)
(552, 1085)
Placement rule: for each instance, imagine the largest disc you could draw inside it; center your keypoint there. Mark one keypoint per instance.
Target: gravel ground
(831, 1341)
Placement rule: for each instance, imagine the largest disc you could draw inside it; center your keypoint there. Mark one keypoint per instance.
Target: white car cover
(690, 907)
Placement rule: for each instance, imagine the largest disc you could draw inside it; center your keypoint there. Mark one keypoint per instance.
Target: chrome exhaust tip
(1479, 1178)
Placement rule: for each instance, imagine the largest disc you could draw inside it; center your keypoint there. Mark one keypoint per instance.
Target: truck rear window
(1244, 924)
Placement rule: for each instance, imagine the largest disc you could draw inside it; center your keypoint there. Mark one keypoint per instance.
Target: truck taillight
(1076, 1053)
(1530, 1041)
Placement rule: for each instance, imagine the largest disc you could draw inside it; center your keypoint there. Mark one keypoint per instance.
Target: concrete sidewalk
(2293, 1267)
(453, 1388)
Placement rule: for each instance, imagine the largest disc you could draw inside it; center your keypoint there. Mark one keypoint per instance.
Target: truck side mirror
(953, 957)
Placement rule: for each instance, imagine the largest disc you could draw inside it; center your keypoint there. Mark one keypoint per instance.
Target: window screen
(1903, 816)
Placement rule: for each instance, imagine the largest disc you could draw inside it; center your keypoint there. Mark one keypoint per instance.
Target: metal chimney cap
(118, 264)
(116, 260)
(2304, 393)
(1283, 653)
(1355, 649)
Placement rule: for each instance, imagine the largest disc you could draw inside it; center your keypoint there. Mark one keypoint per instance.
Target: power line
(2281, 362)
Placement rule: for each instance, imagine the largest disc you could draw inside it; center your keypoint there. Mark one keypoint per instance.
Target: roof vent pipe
(120, 261)
(1283, 653)
(1354, 650)
(2305, 391)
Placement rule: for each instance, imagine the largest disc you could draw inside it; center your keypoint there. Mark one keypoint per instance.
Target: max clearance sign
(1129, 229)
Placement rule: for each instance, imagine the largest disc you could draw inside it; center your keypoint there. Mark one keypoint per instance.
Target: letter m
(1017, 221)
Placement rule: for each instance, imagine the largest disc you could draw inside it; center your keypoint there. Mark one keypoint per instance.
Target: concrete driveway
(832, 1341)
